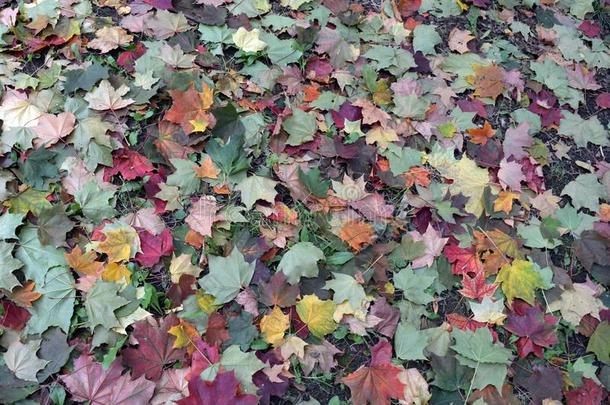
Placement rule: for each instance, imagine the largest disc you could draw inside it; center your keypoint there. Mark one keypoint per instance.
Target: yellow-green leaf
(317, 315)
(274, 325)
(519, 280)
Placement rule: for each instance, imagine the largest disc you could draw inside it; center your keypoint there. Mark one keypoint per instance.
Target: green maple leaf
(37, 258)
(300, 126)
(9, 224)
(477, 350)
(184, 177)
(101, 302)
(413, 283)
(8, 264)
(227, 276)
(95, 202)
(85, 78)
(53, 224)
(313, 182)
(585, 192)
(300, 261)
(243, 364)
(346, 288)
(478, 346)
(56, 302)
(410, 342)
(599, 343)
(256, 188)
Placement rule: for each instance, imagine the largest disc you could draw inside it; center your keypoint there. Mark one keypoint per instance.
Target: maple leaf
(130, 164)
(464, 260)
(155, 347)
(476, 288)
(278, 292)
(317, 315)
(121, 242)
(189, 108)
(84, 263)
(207, 169)
(433, 246)
(589, 393)
(504, 202)
(154, 247)
(52, 128)
(274, 325)
(202, 215)
(248, 41)
(224, 390)
(576, 302)
(119, 273)
(357, 234)
(488, 81)
(480, 136)
(25, 294)
(378, 382)
(105, 97)
(519, 280)
(536, 330)
(183, 265)
(458, 40)
(91, 382)
(256, 188)
(109, 38)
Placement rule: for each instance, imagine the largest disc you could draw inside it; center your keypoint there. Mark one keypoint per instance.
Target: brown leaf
(25, 294)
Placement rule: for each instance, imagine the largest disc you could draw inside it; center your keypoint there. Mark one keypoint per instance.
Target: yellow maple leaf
(274, 325)
(122, 242)
(504, 202)
(248, 41)
(182, 265)
(468, 178)
(519, 280)
(381, 136)
(205, 302)
(317, 315)
(185, 334)
(119, 273)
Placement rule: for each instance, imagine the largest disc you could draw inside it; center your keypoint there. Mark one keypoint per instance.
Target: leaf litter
(305, 202)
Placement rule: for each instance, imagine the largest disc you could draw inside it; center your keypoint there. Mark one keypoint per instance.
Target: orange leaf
(504, 202)
(189, 108)
(207, 169)
(488, 81)
(25, 295)
(311, 93)
(417, 175)
(84, 263)
(378, 382)
(480, 136)
(356, 234)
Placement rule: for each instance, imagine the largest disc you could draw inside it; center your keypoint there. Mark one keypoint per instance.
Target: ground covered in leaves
(305, 202)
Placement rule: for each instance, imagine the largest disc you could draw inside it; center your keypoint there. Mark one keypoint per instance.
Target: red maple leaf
(224, 390)
(155, 347)
(154, 247)
(130, 164)
(90, 382)
(476, 288)
(203, 357)
(536, 330)
(278, 292)
(464, 260)
(588, 393)
(216, 332)
(13, 317)
(189, 108)
(378, 382)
